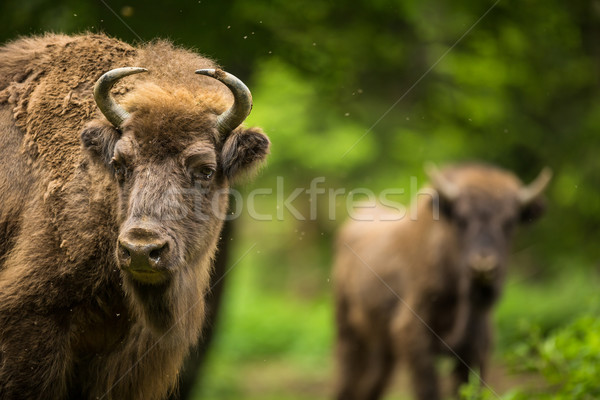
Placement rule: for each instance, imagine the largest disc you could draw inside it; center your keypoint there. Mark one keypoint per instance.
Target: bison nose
(141, 255)
(483, 263)
(141, 249)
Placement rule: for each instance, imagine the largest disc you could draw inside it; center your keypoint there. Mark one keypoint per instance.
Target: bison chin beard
(172, 307)
(150, 302)
(484, 293)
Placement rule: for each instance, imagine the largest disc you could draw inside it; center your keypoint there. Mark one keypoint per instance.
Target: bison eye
(203, 173)
(461, 222)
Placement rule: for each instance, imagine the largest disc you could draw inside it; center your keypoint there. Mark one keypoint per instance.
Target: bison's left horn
(447, 189)
(530, 192)
(113, 112)
(242, 100)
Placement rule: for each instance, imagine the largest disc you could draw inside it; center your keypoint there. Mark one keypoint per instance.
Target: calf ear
(99, 140)
(533, 210)
(243, 151)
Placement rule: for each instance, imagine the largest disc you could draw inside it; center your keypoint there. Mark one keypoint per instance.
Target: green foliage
(568, 360)
(300, 132)
(474, 391)
(544, 305)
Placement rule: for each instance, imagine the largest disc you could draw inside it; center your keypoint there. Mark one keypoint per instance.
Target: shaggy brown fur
(420, 286)
(72, 323)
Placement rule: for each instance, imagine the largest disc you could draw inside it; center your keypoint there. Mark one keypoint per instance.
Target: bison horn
(242, 100)
(530, 192)
(447, 189)
(113, 112)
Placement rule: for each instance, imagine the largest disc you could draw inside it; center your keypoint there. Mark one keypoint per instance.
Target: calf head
(484, 204)
(171, 157)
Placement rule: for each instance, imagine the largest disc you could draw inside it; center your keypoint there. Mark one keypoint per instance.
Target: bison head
(484, 204)
(171, 157)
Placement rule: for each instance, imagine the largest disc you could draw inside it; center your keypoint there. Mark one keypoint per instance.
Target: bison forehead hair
(172, 119)
(173, 67)
(484, 178)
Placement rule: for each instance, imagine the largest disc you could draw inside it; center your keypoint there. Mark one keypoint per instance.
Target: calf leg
(463, 368)
(414, 344)
(379, 368)
(364, 365)
(351, 354)
(473, 355)
(364, 368)
(351, 360)
(423, 375)
(460, 374)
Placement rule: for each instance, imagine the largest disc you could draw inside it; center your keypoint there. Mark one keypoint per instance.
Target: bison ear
(533, 210)
(99, 140)
(243, 151)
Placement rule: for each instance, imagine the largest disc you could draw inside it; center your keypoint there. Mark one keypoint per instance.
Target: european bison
(424, 285)
(111, 205)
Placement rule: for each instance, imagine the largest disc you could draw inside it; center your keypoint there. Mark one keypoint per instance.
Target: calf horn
(242, 100)
(530, 192)
(113, 112)
(447, 189)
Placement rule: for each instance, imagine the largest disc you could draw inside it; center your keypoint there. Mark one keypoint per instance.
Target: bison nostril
(156, 253)
(123, 253)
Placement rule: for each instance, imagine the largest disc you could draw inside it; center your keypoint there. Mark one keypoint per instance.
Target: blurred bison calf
(111, 205)
(417, 287)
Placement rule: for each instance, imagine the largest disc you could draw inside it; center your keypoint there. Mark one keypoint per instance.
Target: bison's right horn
(113, 112)
(242, 100)
(530, 192)
(445, 188)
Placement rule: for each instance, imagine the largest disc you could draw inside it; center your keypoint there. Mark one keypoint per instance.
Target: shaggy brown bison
(111, 206)
(424, 285)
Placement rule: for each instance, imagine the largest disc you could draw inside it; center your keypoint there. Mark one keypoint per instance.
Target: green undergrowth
(544, 305)
(568, 361)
